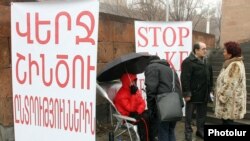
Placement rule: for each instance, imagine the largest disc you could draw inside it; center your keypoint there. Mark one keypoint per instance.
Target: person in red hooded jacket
(129, 102)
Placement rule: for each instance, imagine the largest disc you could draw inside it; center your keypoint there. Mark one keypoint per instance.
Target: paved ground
(104, 129)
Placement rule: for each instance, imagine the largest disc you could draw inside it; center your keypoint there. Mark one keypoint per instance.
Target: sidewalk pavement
(103, 130)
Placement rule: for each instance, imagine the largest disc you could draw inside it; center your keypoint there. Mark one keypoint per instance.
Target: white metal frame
(121, 120)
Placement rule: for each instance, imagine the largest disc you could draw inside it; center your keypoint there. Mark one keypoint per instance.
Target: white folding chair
(111, 88)
(122, 121)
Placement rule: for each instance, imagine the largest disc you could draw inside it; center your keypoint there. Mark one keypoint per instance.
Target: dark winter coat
(196, 79)
(158, 80)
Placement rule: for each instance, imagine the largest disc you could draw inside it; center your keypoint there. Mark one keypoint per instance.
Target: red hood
(127, 78)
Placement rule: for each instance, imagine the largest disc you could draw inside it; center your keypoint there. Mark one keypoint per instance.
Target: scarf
(229, 61)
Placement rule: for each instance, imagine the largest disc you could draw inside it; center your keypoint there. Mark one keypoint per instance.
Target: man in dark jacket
(197, 82)
(158, 80)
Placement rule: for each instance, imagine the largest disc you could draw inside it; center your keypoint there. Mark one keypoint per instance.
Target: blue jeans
(166, 131)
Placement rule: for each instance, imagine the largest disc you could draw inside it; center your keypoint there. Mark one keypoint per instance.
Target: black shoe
(188, 137)
(200, 134)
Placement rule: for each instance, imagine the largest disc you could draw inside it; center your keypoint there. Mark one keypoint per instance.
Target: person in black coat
(197, 82)
(158, 80)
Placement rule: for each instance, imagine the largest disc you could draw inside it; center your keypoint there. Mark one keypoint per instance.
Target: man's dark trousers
(201, 113)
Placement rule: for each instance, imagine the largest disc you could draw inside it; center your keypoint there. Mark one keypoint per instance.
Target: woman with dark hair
(230, 92)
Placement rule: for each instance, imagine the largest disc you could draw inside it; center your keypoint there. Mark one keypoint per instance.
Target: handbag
(169, 105)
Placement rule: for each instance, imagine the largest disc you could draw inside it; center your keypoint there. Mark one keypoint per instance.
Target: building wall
(235, 20)
(5, 69)
(115, 38)
(209, 39)
(6, 114)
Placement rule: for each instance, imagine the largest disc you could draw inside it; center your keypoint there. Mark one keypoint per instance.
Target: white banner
(54, 56)
(169, 40)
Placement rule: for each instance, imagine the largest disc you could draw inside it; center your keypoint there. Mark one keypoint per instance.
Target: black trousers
(143, 129)
(143, 125)
(153, 129)
(201, 113)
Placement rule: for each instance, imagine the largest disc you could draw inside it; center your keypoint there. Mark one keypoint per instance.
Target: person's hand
(187, 98)
(134, 115)
(133, 89)
(211, 97)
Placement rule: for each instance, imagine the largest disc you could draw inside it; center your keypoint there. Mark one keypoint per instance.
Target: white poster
(169, 40)
(54, 56)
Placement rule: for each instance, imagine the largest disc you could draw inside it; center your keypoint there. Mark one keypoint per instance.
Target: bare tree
(201, 22)
(115, 8)
(184, 10)
(179, 10)
(188, 10)
(217, 21)
(7, 2)
(150, 10)
(212, 16)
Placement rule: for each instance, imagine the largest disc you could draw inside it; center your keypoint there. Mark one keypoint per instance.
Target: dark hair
(196, 46)
(233, 48)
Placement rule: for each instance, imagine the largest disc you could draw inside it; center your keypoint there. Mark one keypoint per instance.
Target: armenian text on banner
(54, 56)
